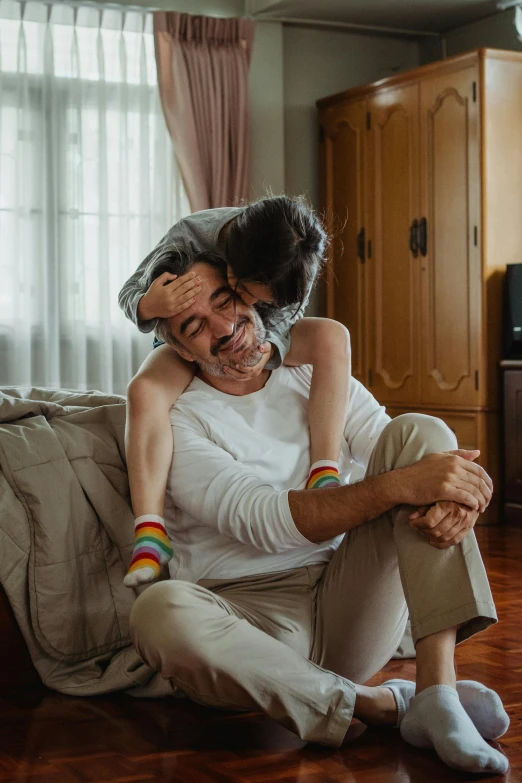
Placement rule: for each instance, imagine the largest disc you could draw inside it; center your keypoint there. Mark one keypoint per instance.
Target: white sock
(403, 692)
(483, 705)
(436, 719)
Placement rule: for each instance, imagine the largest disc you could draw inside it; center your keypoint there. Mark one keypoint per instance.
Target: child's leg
(161, 379)
(325, 344)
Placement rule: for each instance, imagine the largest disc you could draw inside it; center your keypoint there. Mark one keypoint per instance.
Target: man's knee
(164, 621)
(432, 432)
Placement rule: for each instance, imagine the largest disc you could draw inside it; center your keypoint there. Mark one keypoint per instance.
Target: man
(285, 600)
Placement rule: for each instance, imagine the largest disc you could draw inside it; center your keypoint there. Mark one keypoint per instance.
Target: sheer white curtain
(87, 187)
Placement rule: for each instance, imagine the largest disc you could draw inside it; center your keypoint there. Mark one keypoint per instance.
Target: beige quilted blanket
(66, 533)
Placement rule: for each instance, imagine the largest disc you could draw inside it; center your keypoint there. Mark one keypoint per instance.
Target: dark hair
(280, 242)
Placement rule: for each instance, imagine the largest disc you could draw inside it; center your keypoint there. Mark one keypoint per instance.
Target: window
(88, 185)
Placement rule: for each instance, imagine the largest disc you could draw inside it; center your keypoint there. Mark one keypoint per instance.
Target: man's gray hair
(163, 332)
(178, 261)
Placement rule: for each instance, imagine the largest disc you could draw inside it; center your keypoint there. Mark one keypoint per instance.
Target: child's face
(249, 292)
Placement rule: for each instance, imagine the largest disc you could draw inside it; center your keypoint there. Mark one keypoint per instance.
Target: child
(273, 249)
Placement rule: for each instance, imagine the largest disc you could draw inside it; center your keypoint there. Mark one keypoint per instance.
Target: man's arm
(319, 516)
(207, 482)
(444, 524)
(216, 489)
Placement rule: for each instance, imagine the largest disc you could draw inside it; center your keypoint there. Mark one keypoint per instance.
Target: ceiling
(425, 15)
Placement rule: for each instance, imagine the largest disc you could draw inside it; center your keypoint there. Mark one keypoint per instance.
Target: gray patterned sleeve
(133, 290)
(278, 333)
(135, 287)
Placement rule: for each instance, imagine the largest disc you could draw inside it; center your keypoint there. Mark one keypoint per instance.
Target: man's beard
(215, 363)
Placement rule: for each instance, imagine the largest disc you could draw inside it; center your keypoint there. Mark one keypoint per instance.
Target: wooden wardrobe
(421, 188)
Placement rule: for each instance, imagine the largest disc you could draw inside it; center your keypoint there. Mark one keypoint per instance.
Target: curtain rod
(285, 20)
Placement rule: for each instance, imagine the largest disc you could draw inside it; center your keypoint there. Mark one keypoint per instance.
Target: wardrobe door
(451, 265)
(343, 132)
(394, 281)
(513, 436)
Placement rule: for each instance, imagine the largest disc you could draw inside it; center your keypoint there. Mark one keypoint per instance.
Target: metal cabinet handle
(423, 236)
(360, 245)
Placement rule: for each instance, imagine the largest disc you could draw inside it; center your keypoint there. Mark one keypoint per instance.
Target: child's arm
(325, 344)
(162, 377)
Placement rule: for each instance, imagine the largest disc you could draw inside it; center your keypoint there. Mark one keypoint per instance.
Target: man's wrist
(321, 515)
(392, 488)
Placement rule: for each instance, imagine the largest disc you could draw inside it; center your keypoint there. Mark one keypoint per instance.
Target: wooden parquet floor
(48, 738)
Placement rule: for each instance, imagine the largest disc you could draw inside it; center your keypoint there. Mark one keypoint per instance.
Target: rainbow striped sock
(323, 473)
(152, 549)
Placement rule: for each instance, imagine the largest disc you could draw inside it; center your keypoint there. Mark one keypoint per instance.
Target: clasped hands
(446, 522)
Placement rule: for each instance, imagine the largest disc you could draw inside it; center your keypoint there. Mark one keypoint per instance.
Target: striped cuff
(148, 518)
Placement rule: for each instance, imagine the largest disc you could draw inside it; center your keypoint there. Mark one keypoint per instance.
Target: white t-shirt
(235, 459)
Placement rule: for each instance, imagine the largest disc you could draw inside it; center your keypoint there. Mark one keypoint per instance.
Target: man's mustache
(220, 344)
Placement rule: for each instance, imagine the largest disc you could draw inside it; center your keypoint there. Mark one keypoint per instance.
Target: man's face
(218, 330)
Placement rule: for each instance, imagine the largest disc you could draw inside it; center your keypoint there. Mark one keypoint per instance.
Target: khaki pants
(294, 643)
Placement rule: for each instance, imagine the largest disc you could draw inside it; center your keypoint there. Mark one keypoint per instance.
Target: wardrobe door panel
(394, 306)
(344, 151)
(451, 269)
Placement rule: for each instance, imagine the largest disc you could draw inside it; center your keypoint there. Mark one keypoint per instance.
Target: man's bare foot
(375, 706)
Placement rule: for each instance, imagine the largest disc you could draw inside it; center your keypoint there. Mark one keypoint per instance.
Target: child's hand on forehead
(169, 295)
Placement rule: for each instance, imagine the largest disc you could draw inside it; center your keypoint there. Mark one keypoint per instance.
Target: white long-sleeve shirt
(235, 460)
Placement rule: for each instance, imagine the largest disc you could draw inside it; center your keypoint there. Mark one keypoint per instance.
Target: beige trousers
(294, 643)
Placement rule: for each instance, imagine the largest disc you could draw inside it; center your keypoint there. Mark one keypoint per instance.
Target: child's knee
(340, 337)
(332, 340)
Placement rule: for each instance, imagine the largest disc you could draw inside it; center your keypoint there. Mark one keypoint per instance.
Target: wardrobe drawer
(464, 426)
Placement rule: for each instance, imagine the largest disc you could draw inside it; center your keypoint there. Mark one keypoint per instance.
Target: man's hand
(445, 524)
(247, 373)
(451, 475)
(168, 295)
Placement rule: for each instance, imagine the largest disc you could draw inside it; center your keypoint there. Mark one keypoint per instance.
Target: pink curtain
(203, 82)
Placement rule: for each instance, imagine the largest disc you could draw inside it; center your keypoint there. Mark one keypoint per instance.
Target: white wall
(267, 110)
(496, 32)
(318, 63)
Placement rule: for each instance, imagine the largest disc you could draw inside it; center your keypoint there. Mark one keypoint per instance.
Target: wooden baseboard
(512, 514)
